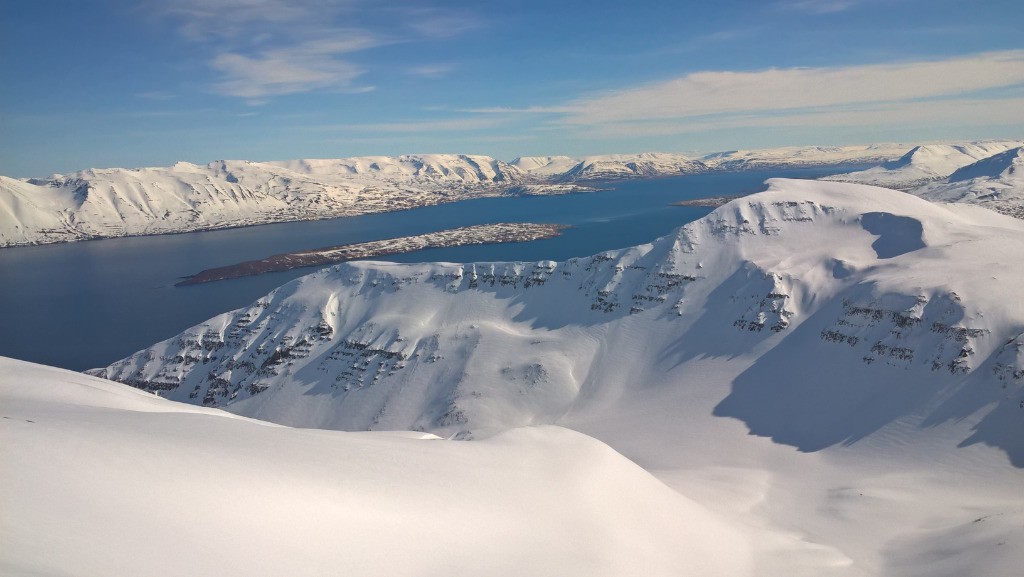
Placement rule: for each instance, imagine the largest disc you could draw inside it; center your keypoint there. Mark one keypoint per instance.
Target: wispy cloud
(432, 70)
(264, 48)
(441, 23)
(817, 6)
(777, 90)
(157, 95)
(461, 124)
(298, 68)
(905, 115)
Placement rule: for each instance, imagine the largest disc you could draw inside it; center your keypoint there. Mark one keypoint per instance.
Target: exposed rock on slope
(843, 309)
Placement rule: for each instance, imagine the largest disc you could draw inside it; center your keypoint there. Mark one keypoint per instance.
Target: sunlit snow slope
(926, 163)
(98, 479)
(830, 375)
(100, 203)
(995, 182)
(844, 309)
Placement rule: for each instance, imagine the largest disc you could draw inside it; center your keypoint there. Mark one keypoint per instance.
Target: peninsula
(468, 235)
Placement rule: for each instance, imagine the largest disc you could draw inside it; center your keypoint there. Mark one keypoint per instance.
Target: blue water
(87, 304)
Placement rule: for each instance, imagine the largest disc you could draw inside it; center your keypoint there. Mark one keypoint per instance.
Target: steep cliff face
(841, 310)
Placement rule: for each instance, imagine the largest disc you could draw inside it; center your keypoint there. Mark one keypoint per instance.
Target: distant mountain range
(983, 173)
(102, 203)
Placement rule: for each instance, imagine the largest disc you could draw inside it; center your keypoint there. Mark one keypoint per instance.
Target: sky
(128, 83)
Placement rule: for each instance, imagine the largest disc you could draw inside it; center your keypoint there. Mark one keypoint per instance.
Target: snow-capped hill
(458, 168)
(544, 166)
(37, 213)
(239, 497)
(1002, 165)
(802, 156)
(843, 309)
(647, 164)
(996, 182)
(926, 163)
(98, 203)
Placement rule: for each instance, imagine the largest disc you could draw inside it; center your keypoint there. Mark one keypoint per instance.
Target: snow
(796, 156)
(926, 163)
(987, 173)
(888, 281)
(99, 203)
(544, 165)
(822, 379)
(102, 203)
(995, 182)
(100, 479)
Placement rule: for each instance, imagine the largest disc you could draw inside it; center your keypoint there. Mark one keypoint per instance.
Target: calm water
(87, 304)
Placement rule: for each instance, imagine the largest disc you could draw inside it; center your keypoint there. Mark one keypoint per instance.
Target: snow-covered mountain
(100, 203)
(926, 163)
(996, 182)
(805, 156)
(544, 166)
(879, 286)
(827, 376)
(100, 479)
(877, 334)
(613, 166)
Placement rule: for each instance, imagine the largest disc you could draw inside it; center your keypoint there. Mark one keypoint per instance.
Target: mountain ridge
(104, 203)
(469, 350)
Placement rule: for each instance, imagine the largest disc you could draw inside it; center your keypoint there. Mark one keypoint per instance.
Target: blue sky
(94, 83)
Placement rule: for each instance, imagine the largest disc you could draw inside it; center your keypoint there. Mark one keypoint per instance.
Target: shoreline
(463, 236)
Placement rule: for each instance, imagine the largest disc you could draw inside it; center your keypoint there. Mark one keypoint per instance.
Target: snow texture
(827, 378)
(880, 284)
(101, 203)
(100, 479)
(984, 173)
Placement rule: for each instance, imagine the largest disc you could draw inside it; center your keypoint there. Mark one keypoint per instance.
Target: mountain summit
(844, 311)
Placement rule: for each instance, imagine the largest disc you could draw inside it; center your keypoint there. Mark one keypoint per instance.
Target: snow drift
(99, 479)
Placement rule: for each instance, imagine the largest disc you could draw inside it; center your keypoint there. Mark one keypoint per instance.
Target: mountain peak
(875, 281)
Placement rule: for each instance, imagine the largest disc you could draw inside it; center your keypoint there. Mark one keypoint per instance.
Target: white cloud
(437, 23)
(901, 115)
(299, 68)
(816, 6)
(265, 48)
(442, 125)
(777, 90)
(432, 70)
(276, 73)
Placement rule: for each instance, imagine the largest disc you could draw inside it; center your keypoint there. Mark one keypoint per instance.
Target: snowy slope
(995, 182)
(612, 166)
(796, 156)
(544, 166)
(883, 283)
(99, 479)
(836, 367)
(100, 203)
(926, 163)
